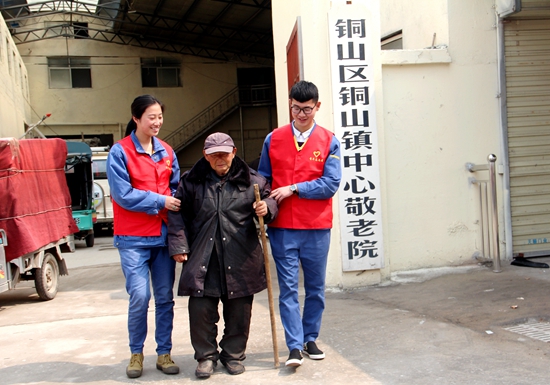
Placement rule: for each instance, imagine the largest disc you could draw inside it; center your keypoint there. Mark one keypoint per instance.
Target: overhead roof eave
(228, 30)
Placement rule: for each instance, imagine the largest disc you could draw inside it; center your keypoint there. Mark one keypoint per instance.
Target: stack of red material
(35, 203)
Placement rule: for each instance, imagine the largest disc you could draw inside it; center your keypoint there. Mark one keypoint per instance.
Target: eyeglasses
(306, 110)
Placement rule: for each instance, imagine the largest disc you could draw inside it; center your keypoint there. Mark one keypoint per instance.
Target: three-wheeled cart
(36, 223)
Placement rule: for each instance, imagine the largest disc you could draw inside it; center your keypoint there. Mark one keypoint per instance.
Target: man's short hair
(304, 91)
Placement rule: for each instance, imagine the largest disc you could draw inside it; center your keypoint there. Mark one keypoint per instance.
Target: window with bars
(160, 72)
(70, 72)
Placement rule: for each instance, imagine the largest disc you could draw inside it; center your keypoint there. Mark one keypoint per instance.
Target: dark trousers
(203, 319)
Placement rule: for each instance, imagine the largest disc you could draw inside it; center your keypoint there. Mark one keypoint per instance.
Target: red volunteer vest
(289, 166)
(149, 176)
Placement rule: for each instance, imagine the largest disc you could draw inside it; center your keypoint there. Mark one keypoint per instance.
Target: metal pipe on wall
(503, 119)
(489, 210)
(494, 228)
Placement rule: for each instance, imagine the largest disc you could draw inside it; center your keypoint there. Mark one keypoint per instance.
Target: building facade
(468, 79)
(15, 104)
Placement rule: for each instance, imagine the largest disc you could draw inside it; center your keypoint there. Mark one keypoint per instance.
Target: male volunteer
(302, 160)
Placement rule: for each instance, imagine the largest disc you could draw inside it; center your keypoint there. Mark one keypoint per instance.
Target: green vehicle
(78, 171)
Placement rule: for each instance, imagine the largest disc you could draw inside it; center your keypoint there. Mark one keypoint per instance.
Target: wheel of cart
(90, 240)
(47, 277)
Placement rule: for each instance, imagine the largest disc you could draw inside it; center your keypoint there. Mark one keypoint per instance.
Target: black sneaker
(312, 351)
(295, 358)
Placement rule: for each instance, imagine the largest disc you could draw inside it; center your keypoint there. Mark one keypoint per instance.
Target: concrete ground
(437, 326)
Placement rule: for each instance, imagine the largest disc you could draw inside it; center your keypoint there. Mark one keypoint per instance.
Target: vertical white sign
(354, 96)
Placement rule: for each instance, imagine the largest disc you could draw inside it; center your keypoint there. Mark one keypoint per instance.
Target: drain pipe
(493, 183)
(503, 120)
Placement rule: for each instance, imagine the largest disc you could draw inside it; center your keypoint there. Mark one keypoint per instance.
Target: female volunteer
(143, 174)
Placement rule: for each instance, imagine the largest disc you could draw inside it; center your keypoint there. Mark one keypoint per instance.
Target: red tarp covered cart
(36, 222)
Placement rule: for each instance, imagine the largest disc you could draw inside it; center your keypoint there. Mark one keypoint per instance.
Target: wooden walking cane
(268, 277)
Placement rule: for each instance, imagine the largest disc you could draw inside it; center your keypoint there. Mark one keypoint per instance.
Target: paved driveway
(450, 329)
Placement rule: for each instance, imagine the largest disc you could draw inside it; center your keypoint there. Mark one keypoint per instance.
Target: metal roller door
(527, 56)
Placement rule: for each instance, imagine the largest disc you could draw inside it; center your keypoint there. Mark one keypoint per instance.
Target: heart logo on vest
(316, 153)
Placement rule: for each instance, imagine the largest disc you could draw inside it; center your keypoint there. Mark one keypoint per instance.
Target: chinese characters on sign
(355, 127)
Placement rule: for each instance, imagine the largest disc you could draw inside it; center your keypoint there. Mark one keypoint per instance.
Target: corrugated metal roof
(231, 30)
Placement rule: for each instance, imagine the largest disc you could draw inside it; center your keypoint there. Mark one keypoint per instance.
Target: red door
(294, 63)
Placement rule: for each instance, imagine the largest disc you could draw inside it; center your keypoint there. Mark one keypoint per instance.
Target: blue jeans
(138, 264)
(290, 249)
